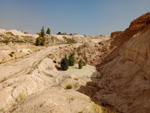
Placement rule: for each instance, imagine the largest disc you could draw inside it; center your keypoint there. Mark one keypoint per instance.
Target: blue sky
(89, 17)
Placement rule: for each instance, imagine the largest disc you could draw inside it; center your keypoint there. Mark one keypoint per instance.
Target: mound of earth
(57, 100)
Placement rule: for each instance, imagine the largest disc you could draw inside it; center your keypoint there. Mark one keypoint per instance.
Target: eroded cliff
(125, 81)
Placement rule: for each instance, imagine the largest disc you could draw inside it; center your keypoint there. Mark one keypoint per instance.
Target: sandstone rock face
(137, 26)
(90, 52)
(126, 76)
(115, 34)
(97, 39)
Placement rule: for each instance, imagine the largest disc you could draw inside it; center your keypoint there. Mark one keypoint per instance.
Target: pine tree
(42, 36)
(80, 64)
(71, 60)
(48, 31)
(42, 32)
(64, 64)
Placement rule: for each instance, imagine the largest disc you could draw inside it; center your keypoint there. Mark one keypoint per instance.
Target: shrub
(38, 41)
(64, 64)
(54, 61)
(59, 33)
(25, 32)
(69, 86)
(76, 79)
(10, 33)
(84, 63)
(4, 79)
(80, 64)
(69, 40)
(96, 108)
(71, 60)
(6, 41)
(22, 96)
(42, 41)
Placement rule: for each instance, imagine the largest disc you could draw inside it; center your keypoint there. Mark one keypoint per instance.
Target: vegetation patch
(80, 64)
(10, 33)
(69, 86)
(22, 96)
(64, 63)
(101, 109)
(54, 61)
(4, 79)
(59, 33)
(71, 60)
(76, 79)
(69, 40)
(97, 109)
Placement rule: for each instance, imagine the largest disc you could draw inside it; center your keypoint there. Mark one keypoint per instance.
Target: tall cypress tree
(42, 32)
(42, 36)
(48, 31)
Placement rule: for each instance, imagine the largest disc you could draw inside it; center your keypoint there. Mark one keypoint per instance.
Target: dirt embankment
(126, 76)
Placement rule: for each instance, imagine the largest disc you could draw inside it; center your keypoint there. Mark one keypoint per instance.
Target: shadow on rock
(91, 88)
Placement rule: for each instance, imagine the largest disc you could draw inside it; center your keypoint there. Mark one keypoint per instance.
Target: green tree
(71, 60)
(48, 31)
(80, 64)
(42, 41)
(64, 64)
(42, 32)
(38, 41)
(59, 33)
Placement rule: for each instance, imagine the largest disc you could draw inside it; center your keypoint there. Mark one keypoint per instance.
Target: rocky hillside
(125, 81)
(18, 37)
(15, 44)
(33, 84)
(90, 52)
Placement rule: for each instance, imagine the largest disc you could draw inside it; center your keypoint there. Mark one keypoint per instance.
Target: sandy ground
(26, 64)
(86, 71)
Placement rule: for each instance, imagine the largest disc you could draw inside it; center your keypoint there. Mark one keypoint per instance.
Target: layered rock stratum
(125, 81)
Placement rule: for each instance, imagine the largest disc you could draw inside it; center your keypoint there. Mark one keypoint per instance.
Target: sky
(87, 17)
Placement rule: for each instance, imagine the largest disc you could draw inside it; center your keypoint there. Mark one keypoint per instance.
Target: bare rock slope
(33, 84)
(126, 70)
(25, 76)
